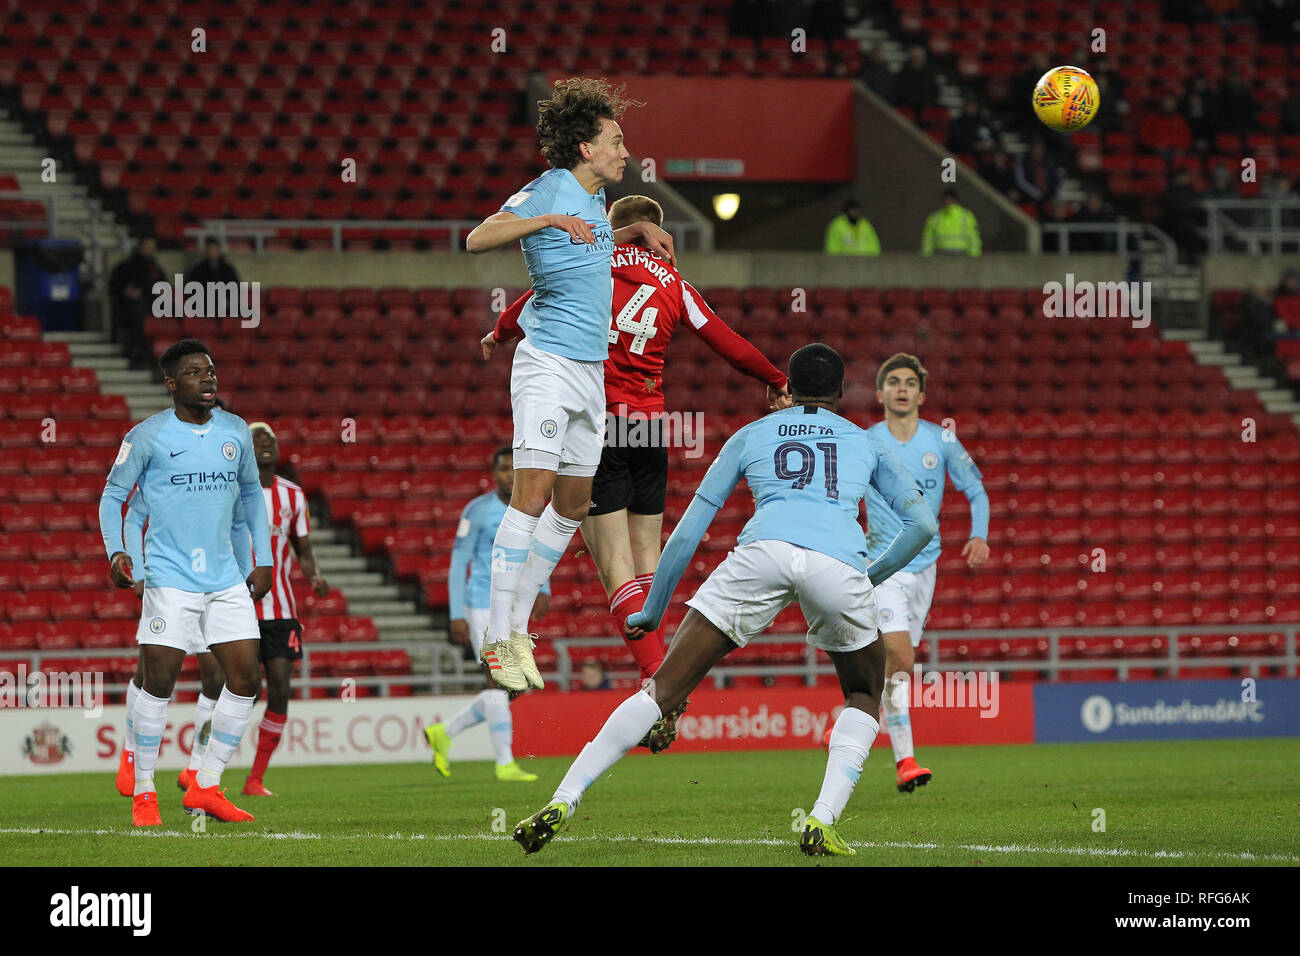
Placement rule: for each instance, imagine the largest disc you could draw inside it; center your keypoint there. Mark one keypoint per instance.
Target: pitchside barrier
(949, 706)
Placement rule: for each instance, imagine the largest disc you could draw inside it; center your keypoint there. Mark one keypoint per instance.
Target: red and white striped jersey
(286, 511)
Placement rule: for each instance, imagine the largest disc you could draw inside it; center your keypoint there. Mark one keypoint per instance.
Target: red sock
(649, 651)
(268, 738)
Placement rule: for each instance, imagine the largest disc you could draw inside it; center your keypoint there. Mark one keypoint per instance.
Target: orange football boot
(144, 810)
(213, 802)
(126, 773)
(910, 776)
(254, 787)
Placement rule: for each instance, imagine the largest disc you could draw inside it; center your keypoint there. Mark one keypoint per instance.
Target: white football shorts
(193, 622)
(756, 581)
(559, 412)
(904, 600)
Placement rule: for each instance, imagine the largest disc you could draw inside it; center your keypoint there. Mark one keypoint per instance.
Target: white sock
(468, 717)
(148, 720)
(496, 705)
(851, 739)
(128, 737)
(894, 708)
(509, 553)
(550, 539)
(623, 731)
(202, 714)
(229, 721)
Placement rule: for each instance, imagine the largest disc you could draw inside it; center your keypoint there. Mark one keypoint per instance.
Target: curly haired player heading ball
(557, 385)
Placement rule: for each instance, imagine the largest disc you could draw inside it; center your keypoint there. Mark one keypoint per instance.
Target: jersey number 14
(642, 328)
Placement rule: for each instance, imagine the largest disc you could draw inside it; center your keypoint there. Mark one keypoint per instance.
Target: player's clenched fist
(259, 582)
(575, 227)
(120, 570)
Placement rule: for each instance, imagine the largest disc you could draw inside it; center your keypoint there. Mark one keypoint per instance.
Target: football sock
(509, 552)
(496, 705)
(468, 717)
(149, 720)
(551, 536)
(644, 580)
(894, 708)
(202, 714)
(623, 731)
(851, 739)
(649, 651)
(229, 721)
(132, 692)
(268, 738)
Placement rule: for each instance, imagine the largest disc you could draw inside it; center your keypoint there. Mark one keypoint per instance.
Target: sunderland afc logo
(46, 744)
(1097, 714)
(228, 451)
(157, 625)
(549, 428)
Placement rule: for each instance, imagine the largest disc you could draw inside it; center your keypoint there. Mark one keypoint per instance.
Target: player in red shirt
(624, 526)
(277, 613)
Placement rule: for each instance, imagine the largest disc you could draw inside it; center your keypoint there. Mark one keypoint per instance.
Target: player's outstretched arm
(716, 487)
(507, 328)
(739, 352)
(677, 554)
(503, 228)
(122, 477)
(649, 236)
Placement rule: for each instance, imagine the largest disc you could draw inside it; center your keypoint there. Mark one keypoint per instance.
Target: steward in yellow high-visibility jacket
(951, 230)
(850, 234)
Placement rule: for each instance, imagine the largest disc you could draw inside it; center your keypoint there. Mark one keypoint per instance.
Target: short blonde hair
(632, 209)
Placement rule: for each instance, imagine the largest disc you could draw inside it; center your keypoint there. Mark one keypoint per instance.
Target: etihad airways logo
(204, 478)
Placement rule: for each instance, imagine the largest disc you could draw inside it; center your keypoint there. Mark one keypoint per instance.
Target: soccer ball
(1066, 99)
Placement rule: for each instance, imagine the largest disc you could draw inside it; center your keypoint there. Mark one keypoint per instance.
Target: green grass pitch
(1200, 803)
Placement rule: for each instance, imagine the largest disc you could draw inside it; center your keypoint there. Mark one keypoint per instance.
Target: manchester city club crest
(886, 614)
(549, 428)
(930, 460)
(157, 625)
(229, 450)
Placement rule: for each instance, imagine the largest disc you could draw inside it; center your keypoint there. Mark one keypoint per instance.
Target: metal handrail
(1120, 230)
(1272, 237)
(810, 669)
(692, 235)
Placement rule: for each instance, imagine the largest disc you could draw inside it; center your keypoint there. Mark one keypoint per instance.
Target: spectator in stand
(1036, 175)
(1238, 105)
(877, 75)
(999, 171)
(915, 85)
(1056, 213)
(1254, 337)
(972, 130)
(1094, 209)
(1204, 127)
(850, 234)
(130, 287)
(1038, 65)
(213, 267)
(1222, 185)
(1181, 215)
(1291, 111)
(592, 676)
(1167, 131)
(1113, 109)
(951, 230)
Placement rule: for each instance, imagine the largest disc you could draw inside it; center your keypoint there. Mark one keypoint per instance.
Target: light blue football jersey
(188, 478)
(573, 287)
(469, 582)
(133, 526)
(932, 453)
(808, 469)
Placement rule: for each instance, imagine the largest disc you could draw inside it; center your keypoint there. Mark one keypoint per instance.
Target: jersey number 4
(807, 468)
(642, 328)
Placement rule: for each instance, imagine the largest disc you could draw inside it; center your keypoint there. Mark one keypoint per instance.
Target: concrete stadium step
(372, 607)
(362, 579)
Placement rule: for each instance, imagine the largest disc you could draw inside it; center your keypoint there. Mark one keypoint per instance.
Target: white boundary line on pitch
(1011, 848)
